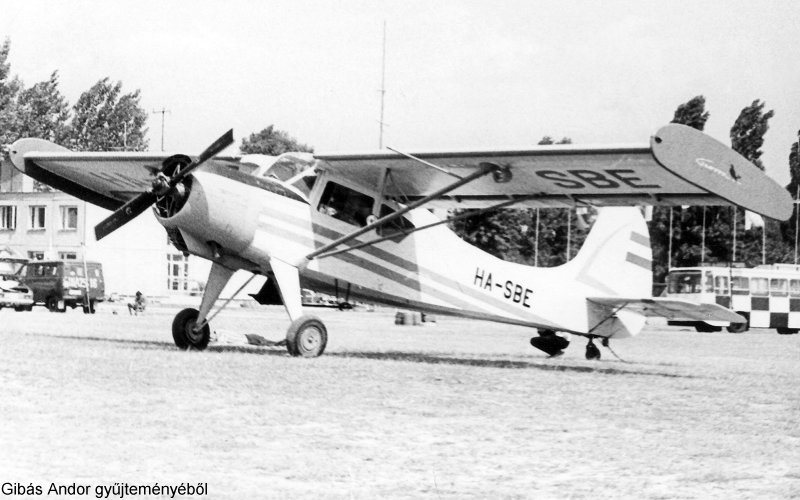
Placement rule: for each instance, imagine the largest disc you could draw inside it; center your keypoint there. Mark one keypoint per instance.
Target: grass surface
(462, 409)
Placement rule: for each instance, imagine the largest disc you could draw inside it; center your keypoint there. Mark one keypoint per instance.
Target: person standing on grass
(138, 305)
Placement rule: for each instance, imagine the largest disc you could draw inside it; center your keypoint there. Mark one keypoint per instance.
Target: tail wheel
(592, 352)
(306, 337)
(184, 334)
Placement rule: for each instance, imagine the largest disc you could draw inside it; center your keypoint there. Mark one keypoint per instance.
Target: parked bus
(767, 296)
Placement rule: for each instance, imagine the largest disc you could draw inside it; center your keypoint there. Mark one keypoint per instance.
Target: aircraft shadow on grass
(412, 356)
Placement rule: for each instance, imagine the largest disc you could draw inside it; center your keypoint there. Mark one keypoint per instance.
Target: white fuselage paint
(431, 271)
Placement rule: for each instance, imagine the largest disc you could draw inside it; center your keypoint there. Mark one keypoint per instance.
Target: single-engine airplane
(354, 223)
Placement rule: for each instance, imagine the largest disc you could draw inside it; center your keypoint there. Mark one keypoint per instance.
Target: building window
(177, 272)
(38, 214)
(67, 255)
(69, 218)
(8, 217)
(36, 255)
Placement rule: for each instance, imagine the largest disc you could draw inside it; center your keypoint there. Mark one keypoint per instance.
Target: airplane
(362, 223)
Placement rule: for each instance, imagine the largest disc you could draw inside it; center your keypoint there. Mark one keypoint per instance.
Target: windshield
(295, 171)
(684, 282)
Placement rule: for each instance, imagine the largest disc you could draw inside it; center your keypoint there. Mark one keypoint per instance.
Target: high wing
(680, 166)
(673, 309)
(104, 179)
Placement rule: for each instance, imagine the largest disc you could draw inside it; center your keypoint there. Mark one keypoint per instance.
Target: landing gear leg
(189, 328)
(592, 352)
(307, 335)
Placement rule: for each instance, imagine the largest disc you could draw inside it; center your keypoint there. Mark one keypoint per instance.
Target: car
(13, 294)
(58, 284)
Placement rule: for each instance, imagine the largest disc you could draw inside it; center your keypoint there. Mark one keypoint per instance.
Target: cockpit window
(346, 204)
(397, 225)
(304, 182)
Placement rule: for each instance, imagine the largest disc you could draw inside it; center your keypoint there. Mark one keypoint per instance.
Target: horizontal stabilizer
(672, 309)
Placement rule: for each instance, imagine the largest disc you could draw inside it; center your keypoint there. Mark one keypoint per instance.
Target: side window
(721, 285)
(740, 285)
(396, 226)
(778, 287)
(345, 204)
(794, 288)
(759, 286)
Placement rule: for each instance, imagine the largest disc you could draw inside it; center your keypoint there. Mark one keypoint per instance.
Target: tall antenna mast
(383, 86)
(163, 112)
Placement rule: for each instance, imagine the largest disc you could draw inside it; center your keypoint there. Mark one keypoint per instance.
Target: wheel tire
(740, 327)
(306, 337)
(52, 305)
(184, 336)
(592, 352)
(89, 308)
(787, 331)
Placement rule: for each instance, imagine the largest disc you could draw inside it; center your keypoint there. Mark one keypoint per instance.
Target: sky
(458, 74)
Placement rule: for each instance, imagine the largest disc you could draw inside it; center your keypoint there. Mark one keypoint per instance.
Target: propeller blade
(124, 214)
(139, 204)
(214, 149)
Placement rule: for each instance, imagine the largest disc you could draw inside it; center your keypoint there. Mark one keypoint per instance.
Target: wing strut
(401, 232)
(483, 170)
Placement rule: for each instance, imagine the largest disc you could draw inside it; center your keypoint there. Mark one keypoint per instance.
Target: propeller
(162, 185)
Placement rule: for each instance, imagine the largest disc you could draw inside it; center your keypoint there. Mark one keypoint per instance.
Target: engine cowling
(214, 215)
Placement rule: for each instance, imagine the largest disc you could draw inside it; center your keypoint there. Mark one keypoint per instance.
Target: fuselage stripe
(411, 267)
(640, 239)
(639, 261)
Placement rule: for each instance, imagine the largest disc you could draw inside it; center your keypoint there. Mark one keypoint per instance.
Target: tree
(794, 166)
(9, 88)
(272, 141)
(104, 120)
(747, 133)
(692, 113)
(510, 234)
(43, 111)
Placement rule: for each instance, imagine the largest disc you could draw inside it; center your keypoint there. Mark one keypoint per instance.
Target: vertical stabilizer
(616, 258)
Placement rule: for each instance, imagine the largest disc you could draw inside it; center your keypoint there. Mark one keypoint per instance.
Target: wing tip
(715, 167)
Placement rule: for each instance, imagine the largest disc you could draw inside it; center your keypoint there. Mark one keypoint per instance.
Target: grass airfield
(462, 409)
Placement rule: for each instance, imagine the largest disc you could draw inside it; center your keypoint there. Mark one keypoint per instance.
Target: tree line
(104, 118)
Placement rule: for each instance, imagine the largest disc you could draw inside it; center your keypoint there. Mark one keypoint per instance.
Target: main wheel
(306, 337)
(183, 331)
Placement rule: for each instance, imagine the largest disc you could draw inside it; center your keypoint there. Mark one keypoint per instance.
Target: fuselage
(431, 271)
